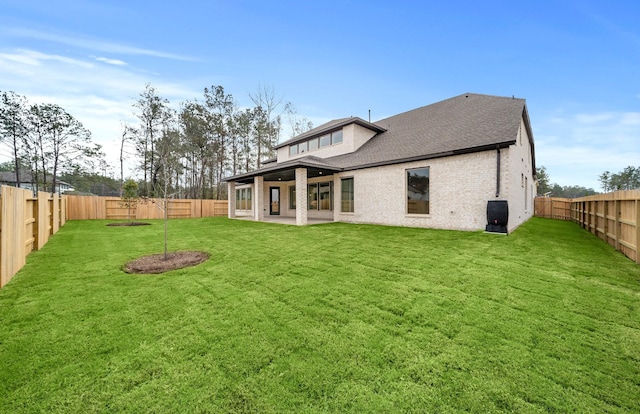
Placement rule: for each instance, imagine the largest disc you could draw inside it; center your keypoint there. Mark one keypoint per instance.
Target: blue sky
(577, 63)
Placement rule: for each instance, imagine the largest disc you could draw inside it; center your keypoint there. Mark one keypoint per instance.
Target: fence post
(637, 230)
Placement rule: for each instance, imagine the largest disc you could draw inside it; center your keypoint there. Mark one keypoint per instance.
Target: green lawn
(325, 318)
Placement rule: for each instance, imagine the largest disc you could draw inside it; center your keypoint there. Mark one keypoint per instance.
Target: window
(315, 143)
(418, 191)
(346, 195)
(324, 190)
(312, 192)
(526, 194)
(292, 197)
(243, 199)
(336, 137)
(320, 196)
(325, 140)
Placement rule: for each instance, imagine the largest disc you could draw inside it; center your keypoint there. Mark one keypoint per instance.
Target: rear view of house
(439, 166)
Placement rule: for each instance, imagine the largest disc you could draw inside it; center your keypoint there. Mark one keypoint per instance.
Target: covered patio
(297, 172)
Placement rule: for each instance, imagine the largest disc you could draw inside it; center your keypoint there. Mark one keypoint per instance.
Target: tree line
(189, 151)
(186, 151)
(44, 141)
(627, 179)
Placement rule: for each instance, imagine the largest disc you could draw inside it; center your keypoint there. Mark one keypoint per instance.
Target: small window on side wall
(418, 191)
(293, 149)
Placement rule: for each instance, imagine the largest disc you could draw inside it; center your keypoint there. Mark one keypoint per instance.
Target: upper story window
(326, 140)
(336, 137)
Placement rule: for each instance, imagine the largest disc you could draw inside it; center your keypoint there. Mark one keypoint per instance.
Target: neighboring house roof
(462, 124)
(26, 177)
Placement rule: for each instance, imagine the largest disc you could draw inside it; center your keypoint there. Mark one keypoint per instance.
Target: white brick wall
(522, 184)
(460, 187)
(353, 137)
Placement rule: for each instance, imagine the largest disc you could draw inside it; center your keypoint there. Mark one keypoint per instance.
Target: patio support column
(231, 198)
(301, 196)
(258, 203)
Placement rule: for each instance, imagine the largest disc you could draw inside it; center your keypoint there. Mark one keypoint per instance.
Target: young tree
(129, 196)
(169, 161)
(152, 113)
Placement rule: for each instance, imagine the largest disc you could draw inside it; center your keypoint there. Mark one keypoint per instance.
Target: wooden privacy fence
(613, 217)
(113, 208)
(553, 207)
(26, 222)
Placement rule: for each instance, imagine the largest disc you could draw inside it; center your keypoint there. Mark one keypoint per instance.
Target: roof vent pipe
(369, 115)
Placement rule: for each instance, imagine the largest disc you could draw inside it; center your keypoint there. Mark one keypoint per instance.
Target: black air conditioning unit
(497, 216)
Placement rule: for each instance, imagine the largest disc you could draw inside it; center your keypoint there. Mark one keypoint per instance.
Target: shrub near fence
(613, 217)
(112, 208)
(26, 222)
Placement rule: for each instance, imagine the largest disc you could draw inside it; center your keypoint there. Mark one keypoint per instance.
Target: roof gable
(331, 126)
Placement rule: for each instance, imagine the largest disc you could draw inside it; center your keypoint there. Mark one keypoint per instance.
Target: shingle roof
(465, 123)
(459, 124)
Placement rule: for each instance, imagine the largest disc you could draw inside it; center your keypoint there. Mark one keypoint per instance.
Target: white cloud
(92, 44)
(99, 96)
(116, 62)
(576, 149)
(33, 58)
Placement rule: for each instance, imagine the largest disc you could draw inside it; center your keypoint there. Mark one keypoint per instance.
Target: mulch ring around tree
(156, 263)
(128, 224)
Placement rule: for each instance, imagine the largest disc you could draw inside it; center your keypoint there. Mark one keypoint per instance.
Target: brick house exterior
(438, 166)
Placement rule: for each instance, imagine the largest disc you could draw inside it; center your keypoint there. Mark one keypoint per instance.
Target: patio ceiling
(289, 174)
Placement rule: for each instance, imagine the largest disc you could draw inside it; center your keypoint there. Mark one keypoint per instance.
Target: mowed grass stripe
(325, 318)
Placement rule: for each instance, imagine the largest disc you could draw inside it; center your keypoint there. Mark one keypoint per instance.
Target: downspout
(498, 172)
